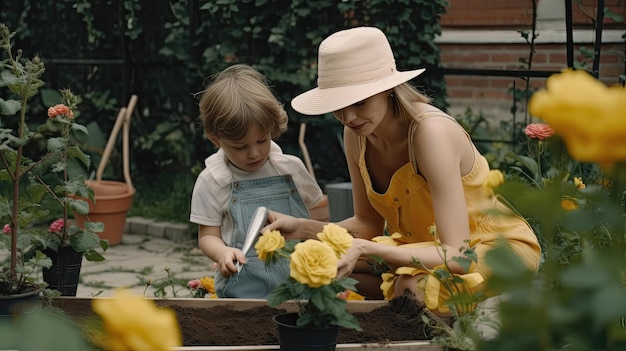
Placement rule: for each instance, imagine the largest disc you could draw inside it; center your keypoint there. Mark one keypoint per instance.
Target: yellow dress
(407, 209)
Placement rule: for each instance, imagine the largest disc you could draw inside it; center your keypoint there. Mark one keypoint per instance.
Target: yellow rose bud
(495, 178)
(569, 204)
(134, 323)
(268, 243)
(337, 237)
(313, 263)
(350, 295)
(578, 182)
(208, 284)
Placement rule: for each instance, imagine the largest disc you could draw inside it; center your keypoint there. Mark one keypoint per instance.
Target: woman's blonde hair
(238, 98)
(404, 101)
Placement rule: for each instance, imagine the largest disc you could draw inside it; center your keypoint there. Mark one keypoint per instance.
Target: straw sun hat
(353, 64)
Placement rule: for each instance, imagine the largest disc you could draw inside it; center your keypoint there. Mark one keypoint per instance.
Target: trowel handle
(110, 143)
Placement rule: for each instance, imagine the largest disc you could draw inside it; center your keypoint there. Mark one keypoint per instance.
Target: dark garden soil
(400, 320)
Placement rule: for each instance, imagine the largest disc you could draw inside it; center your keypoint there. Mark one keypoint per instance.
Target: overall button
(234, 200)
(235, 184)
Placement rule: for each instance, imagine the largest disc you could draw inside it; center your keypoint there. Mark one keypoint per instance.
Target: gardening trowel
(254, 229)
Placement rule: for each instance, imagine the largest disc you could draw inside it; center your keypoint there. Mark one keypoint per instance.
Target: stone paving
(147, 252)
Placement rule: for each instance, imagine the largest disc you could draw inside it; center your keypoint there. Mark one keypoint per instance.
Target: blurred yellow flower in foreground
(569, 204)
(587, 114)
(337, 237)
(134, 323)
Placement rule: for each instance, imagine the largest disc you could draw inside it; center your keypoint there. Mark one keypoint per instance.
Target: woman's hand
(287, 225)
(349, 259)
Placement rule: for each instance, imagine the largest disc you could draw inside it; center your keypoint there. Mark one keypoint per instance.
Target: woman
(411, 167)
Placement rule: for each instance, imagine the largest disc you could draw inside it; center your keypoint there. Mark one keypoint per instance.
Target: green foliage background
(164, 51)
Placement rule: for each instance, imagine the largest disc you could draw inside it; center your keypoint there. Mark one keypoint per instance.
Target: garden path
(147, 251)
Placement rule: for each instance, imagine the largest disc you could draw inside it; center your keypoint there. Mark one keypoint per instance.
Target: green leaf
(609, 304)
(40, 329)
(463, 262)
(93, 256)
(9, 107)
(80, 206)
(95, 227)
(84, 241)
(279, 295)
(75, 152)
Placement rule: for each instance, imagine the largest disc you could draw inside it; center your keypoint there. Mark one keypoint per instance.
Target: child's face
(249, 153)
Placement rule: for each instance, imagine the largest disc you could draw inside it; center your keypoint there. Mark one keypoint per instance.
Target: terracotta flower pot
(113, 200)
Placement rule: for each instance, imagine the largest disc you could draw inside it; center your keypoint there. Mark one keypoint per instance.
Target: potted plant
(321, 298)
(47, 173)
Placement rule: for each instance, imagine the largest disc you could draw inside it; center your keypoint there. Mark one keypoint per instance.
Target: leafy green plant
(466, 323)
(577, 301)
(313, 282)
(47, 176)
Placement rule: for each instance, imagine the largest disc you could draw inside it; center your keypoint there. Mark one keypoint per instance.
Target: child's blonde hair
(238, 98)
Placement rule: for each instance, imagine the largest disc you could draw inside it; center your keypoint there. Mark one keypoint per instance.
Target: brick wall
(482, 34)
(491, 94)
(515, 13)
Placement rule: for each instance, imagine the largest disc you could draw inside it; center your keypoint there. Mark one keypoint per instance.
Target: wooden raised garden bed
(223, 324)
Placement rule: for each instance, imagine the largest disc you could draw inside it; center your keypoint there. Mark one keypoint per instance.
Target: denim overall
(277, 193)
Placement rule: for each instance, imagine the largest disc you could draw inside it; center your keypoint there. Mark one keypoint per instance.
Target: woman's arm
(366, 223)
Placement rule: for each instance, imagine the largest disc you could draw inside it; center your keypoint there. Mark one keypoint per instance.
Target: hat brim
(320, 101)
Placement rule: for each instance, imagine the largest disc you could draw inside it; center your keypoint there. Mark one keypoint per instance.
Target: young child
(241, 116)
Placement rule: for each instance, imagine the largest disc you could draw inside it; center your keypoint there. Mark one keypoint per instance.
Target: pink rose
(60, 110)
(57, 226)
(539, 131)
(194, 284)
(6, 229)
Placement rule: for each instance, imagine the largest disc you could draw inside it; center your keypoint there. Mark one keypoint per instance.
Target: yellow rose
(495, 178)
(208, 284)
(268, 243)
(134, 323)
(337, 237)
(313, 263)
(587, 114)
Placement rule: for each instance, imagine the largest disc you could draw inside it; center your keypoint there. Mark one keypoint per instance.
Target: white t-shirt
(212, 190)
